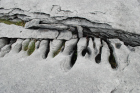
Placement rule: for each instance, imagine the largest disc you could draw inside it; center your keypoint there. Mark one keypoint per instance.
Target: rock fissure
(90, 46)
(101, 30)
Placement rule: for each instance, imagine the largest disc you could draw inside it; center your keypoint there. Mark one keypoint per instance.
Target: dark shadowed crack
(127, 37)
(93, 29)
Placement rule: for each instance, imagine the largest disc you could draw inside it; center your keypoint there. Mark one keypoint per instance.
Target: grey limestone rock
(35, 23)
(43, 74)
(5, 50)
(70, 46)
(114, 13)
(26, 33)
(55, 47)
(121, 53)
(17, 46)
(32, 23)
(80, 31)
(3, 42)
(66, 35)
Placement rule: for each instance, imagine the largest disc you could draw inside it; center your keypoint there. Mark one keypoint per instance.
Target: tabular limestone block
(66, 35)
(35, 23)
(32, 23)
(10, 30)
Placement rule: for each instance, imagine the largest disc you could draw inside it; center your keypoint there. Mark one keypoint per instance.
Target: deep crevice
(34, 28)
(75, 32)
(104, 30)
(74, 56)
(86, 50)
(111, 59)
(9, 39)
(86, 29)
(98, 57)
(84, 22)
(63, 47)
(13, 40)
(48, 49)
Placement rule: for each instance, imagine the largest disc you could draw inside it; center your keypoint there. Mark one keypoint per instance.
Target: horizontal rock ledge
(10, 30)
(13, 31)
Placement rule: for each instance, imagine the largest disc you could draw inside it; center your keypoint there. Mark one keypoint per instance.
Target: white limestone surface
(20, 73)
(13, 31)
(120, 14)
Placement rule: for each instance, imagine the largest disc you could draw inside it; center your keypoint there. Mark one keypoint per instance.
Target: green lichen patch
(26, 47)
(31, 47)
(19, 23)
(59, 49)
(26, 44)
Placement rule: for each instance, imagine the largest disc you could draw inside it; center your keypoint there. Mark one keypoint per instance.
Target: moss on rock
(19, 23)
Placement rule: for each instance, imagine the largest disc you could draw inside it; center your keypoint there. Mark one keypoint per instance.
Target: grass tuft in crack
(20, 23)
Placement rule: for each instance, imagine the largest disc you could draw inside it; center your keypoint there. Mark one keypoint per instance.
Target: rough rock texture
(115, 13)
(38, 73)
(115, 19)
(70, 46)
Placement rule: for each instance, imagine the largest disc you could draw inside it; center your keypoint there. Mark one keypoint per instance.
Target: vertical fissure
(111, 58)
(98, 57)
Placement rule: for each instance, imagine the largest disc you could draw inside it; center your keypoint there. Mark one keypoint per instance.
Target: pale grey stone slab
(57, 74)
(118, 14)
(10, 30)
(66, 35)
(80, 31)
(35, 23)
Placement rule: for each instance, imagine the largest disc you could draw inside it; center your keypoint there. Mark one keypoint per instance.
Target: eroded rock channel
(66, 55)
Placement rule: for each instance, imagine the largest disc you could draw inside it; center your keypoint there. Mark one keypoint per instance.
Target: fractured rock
(85, 72)
(92, 47)
(35, 24)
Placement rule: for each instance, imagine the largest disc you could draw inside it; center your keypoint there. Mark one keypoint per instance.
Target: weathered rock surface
(68, 46)
(13, 31)
(35, 24)
(118, 14)
(38, 73)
